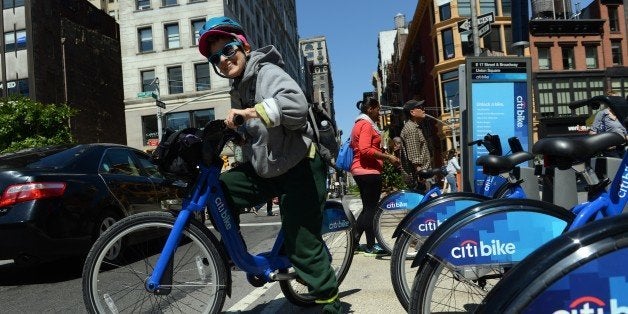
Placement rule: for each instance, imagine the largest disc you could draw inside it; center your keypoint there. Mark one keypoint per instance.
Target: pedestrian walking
(453, 168)
(414, 152)
(366, 170)
(606, 121)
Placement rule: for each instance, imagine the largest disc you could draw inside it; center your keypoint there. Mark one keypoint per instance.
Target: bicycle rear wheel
(340, 248)
(385, 223)
(195, 281)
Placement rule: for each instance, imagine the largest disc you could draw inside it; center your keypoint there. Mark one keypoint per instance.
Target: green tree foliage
(392, 178)
(25, 123)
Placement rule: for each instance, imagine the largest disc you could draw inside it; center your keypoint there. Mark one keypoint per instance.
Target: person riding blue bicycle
(281, 159)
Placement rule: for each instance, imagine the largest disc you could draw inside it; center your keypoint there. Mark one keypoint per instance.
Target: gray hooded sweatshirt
(274, 147)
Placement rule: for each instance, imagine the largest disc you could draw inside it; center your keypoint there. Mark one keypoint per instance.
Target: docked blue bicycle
(171, 263)
(422, 220)
(465, 257)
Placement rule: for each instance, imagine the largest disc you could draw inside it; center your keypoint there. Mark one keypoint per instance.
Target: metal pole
(474, 29)
(453, 130)
(159, 114)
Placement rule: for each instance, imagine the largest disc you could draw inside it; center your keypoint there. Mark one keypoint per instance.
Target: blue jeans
(453, 183)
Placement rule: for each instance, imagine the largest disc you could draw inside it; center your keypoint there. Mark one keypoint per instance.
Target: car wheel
(105, 222)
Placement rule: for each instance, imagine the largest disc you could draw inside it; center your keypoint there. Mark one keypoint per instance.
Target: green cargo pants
(302, 193)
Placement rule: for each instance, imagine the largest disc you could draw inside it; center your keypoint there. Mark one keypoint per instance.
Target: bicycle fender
(401, 200)
(495, 231)
(439, 208)
(336, 217)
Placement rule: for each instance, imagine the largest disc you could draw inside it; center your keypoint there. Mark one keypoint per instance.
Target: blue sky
(351, 28)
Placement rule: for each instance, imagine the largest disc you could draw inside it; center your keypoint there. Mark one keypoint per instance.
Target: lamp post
(155, 82)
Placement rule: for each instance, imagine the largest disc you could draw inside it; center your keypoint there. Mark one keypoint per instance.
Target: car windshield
(42, 158)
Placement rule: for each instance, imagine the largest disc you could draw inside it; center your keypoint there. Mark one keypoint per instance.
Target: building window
(506, 8)
(201, 75)
(149, 129)
(448, 44)
(545, 59)
(487, 6)
(493, 41)
(616, 52)
(309, 47)
(613, 19)
(19, 87)
(166, 3)
(591, 56)
(194, 119)
(171, 33)
(508, 38)
(8, 4)
(142, 4)
(196, 27)
(147, 79)
(14, 41)
(175, 80)
(568, 60)
(449, 88)
(145, 39)
(464, 8)
(444, 11)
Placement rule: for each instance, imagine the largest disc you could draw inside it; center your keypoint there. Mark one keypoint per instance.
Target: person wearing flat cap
(414, 152)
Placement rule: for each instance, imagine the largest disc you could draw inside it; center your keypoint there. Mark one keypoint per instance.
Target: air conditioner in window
(143, 7)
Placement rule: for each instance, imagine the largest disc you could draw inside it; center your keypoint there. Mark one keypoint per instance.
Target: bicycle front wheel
(195, 280)
(401, 272)
(340, 248)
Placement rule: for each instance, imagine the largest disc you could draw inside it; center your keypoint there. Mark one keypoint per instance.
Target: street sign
(484, 29)
(465, 25)
(160, 104)
(145, 94)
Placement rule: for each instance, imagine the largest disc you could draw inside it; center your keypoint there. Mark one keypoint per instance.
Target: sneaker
(376, 250)
(360, 248)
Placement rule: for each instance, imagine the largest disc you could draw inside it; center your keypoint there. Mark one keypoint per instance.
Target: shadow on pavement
(48, 272)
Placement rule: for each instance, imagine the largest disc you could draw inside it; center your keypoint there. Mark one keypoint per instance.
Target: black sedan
(55, 201)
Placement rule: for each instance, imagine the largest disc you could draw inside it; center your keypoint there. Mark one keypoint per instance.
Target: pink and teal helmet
(220, 26)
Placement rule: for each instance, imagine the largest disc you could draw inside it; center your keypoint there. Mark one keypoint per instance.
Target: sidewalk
(367, 288)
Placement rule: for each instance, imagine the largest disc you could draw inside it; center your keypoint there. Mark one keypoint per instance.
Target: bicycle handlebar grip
(238, 120)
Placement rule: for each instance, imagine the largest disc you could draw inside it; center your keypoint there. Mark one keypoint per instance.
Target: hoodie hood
(260, 57)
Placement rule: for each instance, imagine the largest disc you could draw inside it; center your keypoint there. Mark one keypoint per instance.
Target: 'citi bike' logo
(396, 204)
(340, 224)
(592, 305)
(429, 225)
(470, 248)
(623, 188)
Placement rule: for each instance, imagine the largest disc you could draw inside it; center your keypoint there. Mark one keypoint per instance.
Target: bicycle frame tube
(208, 192)
(607, 204)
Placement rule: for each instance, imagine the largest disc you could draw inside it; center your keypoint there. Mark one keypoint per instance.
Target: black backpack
(179, 153)
(325, 133)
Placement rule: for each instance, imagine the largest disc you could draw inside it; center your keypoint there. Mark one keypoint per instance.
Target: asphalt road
(56, 287)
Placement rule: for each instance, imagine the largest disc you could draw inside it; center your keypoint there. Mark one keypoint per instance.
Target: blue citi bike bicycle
(470, 252)
(171, 263)
(420, 222)
(582, 271)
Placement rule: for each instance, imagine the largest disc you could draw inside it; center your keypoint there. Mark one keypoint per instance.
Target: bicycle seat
(562, 153)
(428, 173)
(494, 165)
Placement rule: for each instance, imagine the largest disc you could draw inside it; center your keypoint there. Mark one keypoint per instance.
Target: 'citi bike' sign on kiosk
(498, 102)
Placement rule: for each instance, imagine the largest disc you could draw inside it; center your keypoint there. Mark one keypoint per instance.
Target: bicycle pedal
(277, 276)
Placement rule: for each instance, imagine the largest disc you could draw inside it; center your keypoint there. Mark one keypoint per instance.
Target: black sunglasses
(229, 50)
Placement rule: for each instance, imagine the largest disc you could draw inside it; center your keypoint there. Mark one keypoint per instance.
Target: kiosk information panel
(498, 102)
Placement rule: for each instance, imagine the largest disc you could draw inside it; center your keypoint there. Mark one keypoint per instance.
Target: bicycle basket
(179, 153)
